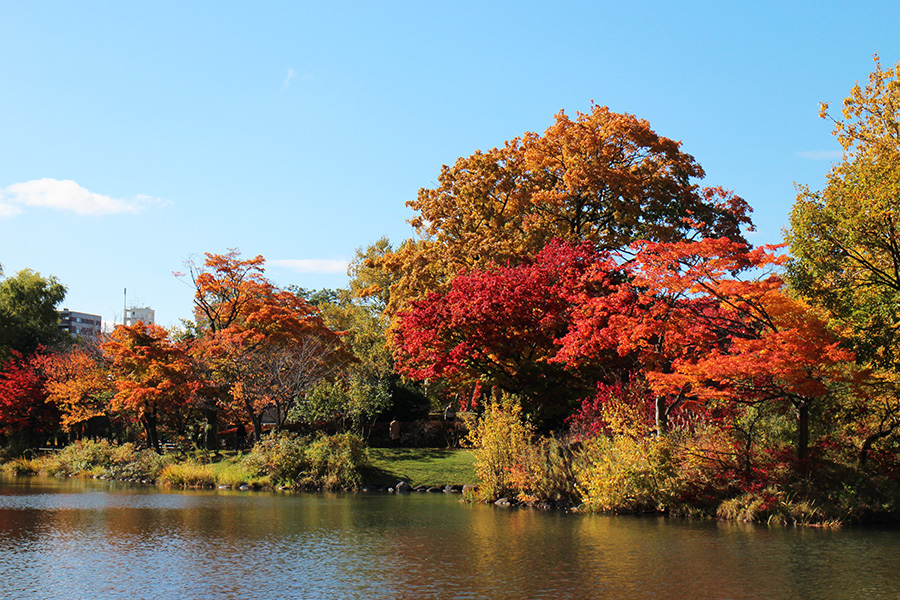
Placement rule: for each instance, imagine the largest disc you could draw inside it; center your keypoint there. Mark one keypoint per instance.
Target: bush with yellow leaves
(500, 437)
(627, 468)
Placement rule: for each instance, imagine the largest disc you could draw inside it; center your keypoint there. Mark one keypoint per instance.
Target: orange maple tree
(697, 330)
(154, 377)
(80, 385)
(264, 347)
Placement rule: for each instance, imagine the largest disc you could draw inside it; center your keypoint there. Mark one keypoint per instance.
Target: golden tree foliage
(626, 470)
(603, 177)
(845, 239)
(500, 437)
(869, 123)
(845, 242)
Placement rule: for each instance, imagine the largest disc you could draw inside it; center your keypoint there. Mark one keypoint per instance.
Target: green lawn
(420, 466)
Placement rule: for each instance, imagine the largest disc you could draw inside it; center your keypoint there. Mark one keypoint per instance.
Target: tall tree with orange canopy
(263, 346)
(155, 379)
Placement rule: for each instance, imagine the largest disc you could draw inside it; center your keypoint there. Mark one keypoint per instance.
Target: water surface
(86, 539)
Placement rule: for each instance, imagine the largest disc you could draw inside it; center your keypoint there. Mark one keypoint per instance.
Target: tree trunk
(257, 427)
(870, 440)
(212, 429)
(662, 416)
(803, 430)
(150, 429)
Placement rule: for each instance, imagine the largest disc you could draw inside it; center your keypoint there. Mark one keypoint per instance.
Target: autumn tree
(845, 244)
(80, 385)
(263, 346)
(706, 320)
(502, 327)
(154, 377)
(845, 239)
(26, 418)
(602, 177)
(370, 283)
(791, 360)
(648, 324)
(770, 347)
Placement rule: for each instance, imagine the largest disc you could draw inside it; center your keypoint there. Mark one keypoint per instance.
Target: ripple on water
(119, 544)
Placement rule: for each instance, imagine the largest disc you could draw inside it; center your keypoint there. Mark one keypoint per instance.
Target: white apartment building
(135, 314)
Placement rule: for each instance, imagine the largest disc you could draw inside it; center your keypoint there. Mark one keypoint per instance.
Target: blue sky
(133, 137)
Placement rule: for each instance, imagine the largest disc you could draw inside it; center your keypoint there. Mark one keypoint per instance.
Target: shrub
(326, 462)
(624, 474)
(21, 466)
(204, 474)
(335, 461)
(102, 459)
(626, 468)
(500, 437)
(774, 507)
(544, 475)
(236, 474)
(131, 462)
(281, 457)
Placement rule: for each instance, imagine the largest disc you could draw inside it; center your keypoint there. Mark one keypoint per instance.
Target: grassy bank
(420, 466)
(324, 462)
(617, 476)
(339, 462)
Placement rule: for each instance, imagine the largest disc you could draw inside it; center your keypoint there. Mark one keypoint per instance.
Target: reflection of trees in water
(242, 545)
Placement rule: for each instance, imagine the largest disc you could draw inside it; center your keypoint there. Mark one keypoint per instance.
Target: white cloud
(66, 195)
(821, 154)
(312, 265)
(287, 78)
(9, 210)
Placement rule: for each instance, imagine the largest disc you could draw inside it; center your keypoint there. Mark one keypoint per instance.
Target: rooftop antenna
(124, 306)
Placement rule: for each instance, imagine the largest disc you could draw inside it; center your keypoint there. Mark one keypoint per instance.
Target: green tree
(28, 315)
(365, 387)
(845, 242)
(368, 386)
(845, 239)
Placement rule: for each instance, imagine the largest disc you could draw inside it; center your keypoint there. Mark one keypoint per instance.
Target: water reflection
(98, 540)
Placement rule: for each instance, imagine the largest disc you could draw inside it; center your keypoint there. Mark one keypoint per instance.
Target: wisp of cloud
(67, 195)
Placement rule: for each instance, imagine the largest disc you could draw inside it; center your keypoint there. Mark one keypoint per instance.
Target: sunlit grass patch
(208, 475)
(420, 466)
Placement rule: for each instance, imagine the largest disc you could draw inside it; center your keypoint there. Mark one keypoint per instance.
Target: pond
(85, 539)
